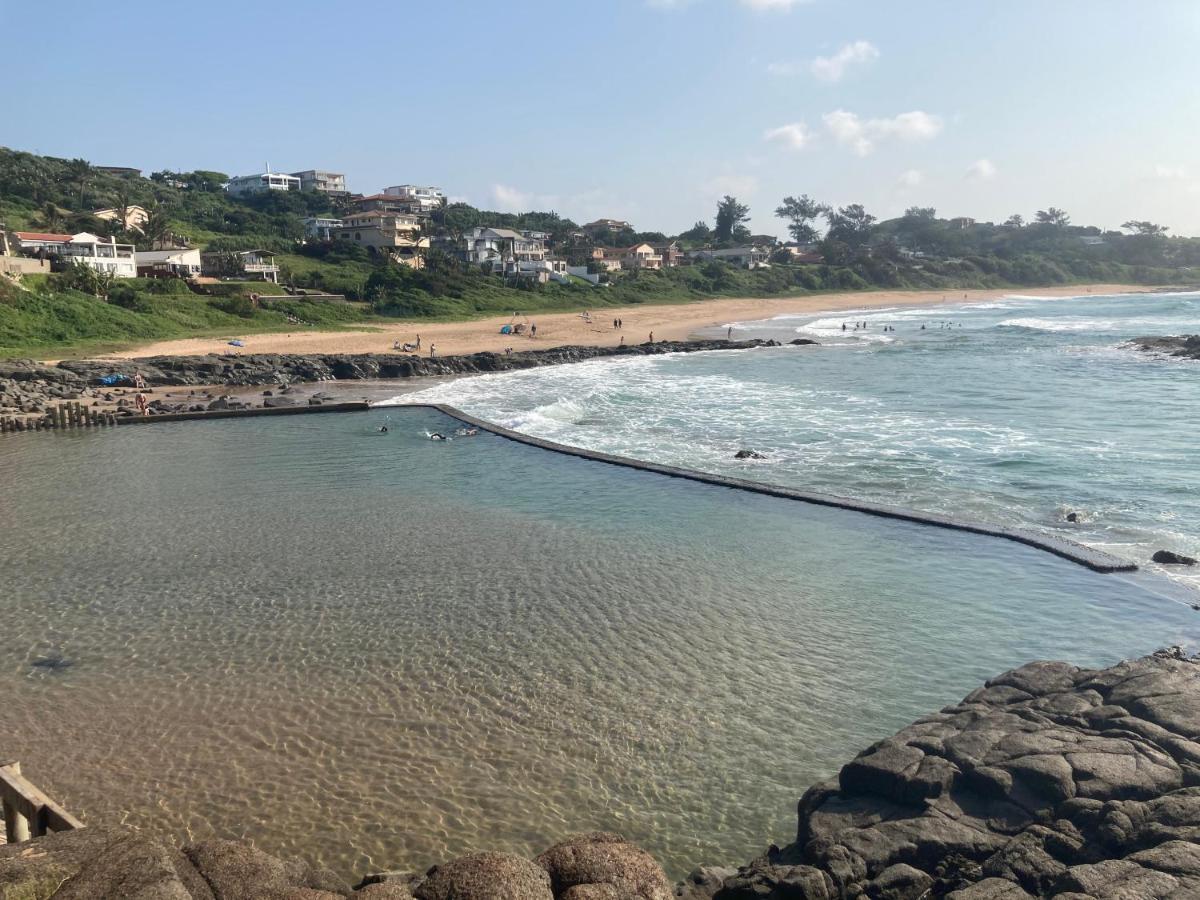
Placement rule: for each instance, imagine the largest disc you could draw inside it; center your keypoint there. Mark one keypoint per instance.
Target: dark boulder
(748, 454)
(804, 342)
(1170, 558)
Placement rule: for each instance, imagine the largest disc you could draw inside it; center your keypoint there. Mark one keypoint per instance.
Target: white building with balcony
(103, 255)
(180, 262)
(483, 244)
(320, 228)
(325, 182)
(426, 198)
(257, 184)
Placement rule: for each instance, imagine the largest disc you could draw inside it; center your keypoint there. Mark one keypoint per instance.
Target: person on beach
(615, 326)
(432, 350)
(652, 337)
(622, 344)
(142, 407)
(532, 330)
(418, 342)
(729, 334)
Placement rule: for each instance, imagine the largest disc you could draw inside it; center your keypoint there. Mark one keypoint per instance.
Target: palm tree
(157, 227)
(79, 170)
(52, 217)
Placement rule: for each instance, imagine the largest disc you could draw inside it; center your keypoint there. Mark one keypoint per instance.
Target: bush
(238, 305)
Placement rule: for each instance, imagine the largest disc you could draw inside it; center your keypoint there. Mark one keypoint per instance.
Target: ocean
(1015, 412)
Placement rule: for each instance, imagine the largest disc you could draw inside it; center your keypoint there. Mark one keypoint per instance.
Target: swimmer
(382, 429)
(438, 436)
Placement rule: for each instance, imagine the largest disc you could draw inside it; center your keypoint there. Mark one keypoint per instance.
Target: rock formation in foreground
(1049, 781)
(1185, 345)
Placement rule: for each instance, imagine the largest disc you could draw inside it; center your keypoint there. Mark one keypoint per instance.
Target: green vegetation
(80, 310)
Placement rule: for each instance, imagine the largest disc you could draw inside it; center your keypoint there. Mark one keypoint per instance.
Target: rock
(384, 890)
(277, 402)
(748, 454)
(1170, 558)
(763, 880)
(603, 858)
(703, 883)
(899, 882)
(239, 871)
(219, 403)
(1186, 346)
(486, 876)
(803, 342)
(98, 862)
(1072, 517)
(990, 889)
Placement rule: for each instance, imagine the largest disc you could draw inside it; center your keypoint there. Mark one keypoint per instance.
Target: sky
(645, 110)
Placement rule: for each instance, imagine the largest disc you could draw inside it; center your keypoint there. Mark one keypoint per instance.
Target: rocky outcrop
(1184, 345)
(1048, 781)
(29, 388)
(1171, 558)
(269, 369)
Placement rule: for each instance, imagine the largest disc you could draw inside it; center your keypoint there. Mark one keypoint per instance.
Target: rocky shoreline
(1049, 781)
(29, 389)
(1186, 346)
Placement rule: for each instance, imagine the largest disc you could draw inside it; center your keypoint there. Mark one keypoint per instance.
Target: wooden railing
(28, 813)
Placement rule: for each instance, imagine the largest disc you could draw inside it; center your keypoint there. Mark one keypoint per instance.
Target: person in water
(437, 436)
(382, 429)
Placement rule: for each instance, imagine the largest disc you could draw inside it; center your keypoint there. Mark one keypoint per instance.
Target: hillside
(58, 315)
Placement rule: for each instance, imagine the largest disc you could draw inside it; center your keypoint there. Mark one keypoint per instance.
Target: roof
(392, 197)
(41, 236)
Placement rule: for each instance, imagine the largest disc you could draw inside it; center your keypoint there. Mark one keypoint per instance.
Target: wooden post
(16, 826)
(61, 414)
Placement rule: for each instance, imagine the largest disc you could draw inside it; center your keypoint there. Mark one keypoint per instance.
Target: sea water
(1014, 412)
(379, 651)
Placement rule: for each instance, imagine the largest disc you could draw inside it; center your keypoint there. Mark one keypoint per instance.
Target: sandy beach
(678, 321)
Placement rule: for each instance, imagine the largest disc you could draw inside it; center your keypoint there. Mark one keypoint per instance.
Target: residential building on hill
(64, 249)
(265, 181)
(484, 244)
(320, 228)
(671, 254)
(252, 264)
(607, 225)
(397, 233)
(178, 263)
(135, 216)
(426, 198)
(325, 182)
(389, 203)
(639, 256)
(744, 257)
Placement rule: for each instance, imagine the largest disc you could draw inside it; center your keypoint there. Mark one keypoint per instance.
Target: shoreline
(667, 321)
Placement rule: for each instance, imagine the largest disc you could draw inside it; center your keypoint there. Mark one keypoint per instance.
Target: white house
(483, 244)
(177, 263)
(135, 216)
(266, 181)
(426, 198)
(102, 255)
(325, 182)
(248, 264)
(320, 228)
(743, 257)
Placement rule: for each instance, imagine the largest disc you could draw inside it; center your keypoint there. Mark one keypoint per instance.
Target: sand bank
(672, 322)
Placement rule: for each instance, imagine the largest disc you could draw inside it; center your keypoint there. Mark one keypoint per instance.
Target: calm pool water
(381, 651)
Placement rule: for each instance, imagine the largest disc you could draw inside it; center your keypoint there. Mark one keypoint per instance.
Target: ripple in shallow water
(383, 651)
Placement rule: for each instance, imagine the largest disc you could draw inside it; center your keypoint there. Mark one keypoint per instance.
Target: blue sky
(641, 109)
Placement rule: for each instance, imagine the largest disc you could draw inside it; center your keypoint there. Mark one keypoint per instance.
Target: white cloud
(796, 135)
(861, 135)
(511, 199)
(911, 178)
(982, 170)
(768, 5)
(1170, 173)
(738, 185)
(832, 68)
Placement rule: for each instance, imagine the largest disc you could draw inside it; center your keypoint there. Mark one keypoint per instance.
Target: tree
(851, 225)
(800, 212)
(924, 213)
(52, 217)
(1016, 220)
(1053, 216)
(79, 171)
(156, 230)
(730, 214)
(1143, 228)
(698, 234)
